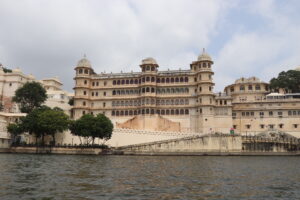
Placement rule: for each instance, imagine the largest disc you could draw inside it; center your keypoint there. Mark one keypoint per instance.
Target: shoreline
(98, 151)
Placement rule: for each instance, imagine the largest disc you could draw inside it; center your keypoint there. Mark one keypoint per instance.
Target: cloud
(47, 38)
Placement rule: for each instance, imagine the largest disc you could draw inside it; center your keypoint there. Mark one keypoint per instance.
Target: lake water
(148, 177)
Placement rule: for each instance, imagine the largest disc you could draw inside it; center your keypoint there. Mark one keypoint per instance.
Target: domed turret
(84, 62)
(204, 56)
(149, 61)
(149, 65)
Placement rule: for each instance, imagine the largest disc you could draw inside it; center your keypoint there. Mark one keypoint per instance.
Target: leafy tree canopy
(45, 121)
(89, 126)
(6, 70)
(289, 81)
(31, 95)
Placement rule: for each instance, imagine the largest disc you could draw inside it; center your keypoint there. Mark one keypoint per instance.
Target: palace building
(182, 100)
(173, 100)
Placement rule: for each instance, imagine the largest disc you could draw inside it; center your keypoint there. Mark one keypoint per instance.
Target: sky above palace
(244, 37)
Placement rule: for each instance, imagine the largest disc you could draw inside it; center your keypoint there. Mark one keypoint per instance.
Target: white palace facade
(183, 100)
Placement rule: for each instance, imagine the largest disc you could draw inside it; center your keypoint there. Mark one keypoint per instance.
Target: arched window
(152, 111)
(186, 79)
(163, 80)
(135, 112)
(127, 81)
(126, 112)
(123, 82)
(186, 111)
(114, 82)
(163, 112)
(158, 112)
(122, 113)
(86, 71)
(113, 113)
(130, 112)
(148, 68)
(172, 80)
(152, 90)
(177, 112)
(136, 81)
(118, 82)
(176, 79)
(158, 80)
(172, 112)
(83, 103)
(117, 113)
(152, 79)
(167, 80)
(143, 90)
(167, 112)
(147, 111)
(131, 81)
(143, 79)
(152, 68)
(181, 79)
(181, 111)
(204, 65)
(147, 89)
(80, 71)
(147, 79)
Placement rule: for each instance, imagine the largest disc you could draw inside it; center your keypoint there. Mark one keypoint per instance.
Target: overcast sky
(245, 38)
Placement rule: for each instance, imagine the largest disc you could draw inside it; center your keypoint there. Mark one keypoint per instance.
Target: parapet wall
(194, 144)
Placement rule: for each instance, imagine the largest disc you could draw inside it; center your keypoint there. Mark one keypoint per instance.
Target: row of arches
(150, 102)
(150, 111)
(151, 90)
(151, 79)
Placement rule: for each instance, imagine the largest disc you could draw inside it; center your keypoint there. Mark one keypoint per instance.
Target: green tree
(52, 121)
(289, 81)
(103, 128)
(71, 101)
(44, 121)
(91, 127)
(31, 95)
(15, 129)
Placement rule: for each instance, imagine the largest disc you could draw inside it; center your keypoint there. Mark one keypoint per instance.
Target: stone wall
(194, 144)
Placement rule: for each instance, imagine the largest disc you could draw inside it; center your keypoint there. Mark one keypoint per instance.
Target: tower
(82, 87)
(205, 102)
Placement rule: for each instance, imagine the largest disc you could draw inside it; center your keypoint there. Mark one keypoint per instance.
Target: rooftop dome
(204, 56)
(149, 61)
(84, 62)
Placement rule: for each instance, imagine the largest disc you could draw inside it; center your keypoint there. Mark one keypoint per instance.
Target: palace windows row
(151, 79)
(150, 101)
(150, 111)
(151, 90)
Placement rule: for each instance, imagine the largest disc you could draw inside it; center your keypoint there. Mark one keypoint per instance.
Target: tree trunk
(54, 142)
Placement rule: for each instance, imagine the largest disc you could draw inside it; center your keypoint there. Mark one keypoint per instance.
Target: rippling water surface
(148, 177)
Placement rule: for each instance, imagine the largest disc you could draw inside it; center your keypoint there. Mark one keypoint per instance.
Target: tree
(52, 121)
(89, 126)
(30, 96)
(289, 81)
(71, 101)
(44, 121)
(15, 129)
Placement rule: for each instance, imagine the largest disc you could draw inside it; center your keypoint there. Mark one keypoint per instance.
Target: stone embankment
(55, 150)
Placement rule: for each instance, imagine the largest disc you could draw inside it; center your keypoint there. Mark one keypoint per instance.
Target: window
(271, 126)
(280, 125)
(104, 104)
(232, 89)
(280, 114)
(295, 125)
(289, 112)
(248, 126)
(249, 87)
(242, 87)
(84, 92)
(261, 114)
(257, 87)
(262, 126)
(234, 126)
(270, 113)
(85, 82)
(104, 93)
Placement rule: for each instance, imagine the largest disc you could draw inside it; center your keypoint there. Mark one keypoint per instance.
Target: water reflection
(137, 177)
